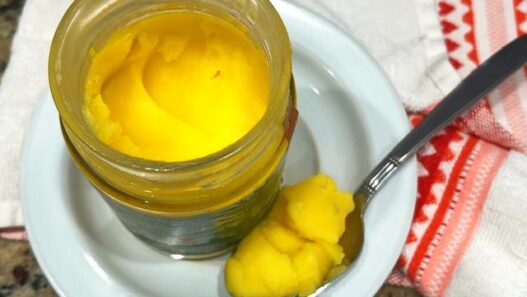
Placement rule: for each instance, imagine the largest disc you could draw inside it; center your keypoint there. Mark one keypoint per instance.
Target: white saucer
(349, 118)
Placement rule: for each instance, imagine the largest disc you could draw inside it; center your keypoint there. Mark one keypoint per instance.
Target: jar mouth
(87, 137)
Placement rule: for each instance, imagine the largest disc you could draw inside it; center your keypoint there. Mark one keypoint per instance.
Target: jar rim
(121, 159)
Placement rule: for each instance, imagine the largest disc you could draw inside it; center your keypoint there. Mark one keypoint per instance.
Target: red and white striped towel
(469, 234)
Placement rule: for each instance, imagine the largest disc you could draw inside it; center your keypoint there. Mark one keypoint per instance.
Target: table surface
(20, 275)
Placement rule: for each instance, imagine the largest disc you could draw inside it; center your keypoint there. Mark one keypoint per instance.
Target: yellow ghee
(176, 86)
(296, 248)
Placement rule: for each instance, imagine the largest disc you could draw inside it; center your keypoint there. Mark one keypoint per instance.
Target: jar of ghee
(194, 208)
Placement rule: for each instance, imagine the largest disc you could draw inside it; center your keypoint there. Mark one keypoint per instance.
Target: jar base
(189, 257)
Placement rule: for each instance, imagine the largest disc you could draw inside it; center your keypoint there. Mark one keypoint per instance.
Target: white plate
(349, 118)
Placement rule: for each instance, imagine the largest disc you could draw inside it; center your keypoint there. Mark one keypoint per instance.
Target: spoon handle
(474, 87)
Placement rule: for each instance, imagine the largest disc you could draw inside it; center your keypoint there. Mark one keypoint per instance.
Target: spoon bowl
(352, 240)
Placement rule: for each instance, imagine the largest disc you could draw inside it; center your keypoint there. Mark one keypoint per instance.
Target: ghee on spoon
(474, 87)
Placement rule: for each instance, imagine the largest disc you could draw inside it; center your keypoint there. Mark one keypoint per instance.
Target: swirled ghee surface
(176, 86)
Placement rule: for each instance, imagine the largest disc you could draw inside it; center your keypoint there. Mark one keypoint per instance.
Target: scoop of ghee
(296, 248)
(176, 86)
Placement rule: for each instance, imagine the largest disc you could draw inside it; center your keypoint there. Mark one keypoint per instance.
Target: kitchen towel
(468, 237)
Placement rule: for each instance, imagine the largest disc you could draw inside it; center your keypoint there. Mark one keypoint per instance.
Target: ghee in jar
(165, 83)
(176, 86)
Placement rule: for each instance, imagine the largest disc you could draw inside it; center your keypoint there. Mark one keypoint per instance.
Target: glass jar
(196, 208)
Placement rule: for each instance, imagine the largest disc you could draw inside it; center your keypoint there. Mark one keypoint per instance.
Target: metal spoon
(476, 85)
